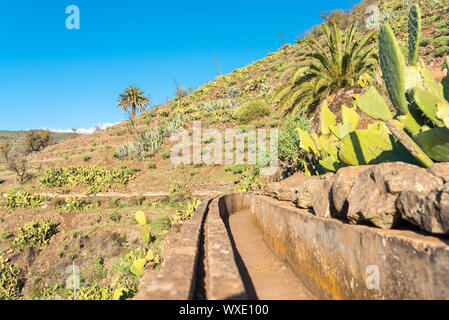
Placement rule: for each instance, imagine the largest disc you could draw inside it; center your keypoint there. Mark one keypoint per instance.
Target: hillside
(127, 167)
(16, 138)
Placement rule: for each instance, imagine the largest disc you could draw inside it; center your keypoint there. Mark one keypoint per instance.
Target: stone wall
(387, 196)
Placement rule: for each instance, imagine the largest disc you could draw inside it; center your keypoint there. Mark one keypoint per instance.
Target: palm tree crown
(338, 64)
(134, 98)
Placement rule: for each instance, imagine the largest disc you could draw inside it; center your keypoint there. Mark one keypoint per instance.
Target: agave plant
(133, 98)
(337, 65)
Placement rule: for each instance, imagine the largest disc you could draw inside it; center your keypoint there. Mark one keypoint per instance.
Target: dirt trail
(270, 278)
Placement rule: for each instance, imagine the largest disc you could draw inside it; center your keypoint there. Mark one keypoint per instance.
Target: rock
(342, 186)
(284, 190)
(321, 195)
(297, 189)
(430, 212)
(374, 193)
(305, 190)
(440, 170)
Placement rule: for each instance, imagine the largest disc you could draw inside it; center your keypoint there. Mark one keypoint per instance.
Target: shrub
(76, 204)
(441, 41)
(5, 149)
(442, 51)
(253, 110)
(151, 165)
(237, 168)
(19, 167)
(11, 280)
(18, 199)
(96, 178)
(115, 216)
(34, 234)
(166, 154)
(37, 140)
(289, 141)
(86, 158)
(161, 223)
(137, 201)
(425, 41)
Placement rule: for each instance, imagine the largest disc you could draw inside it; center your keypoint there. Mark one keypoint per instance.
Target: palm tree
(134, 98)
(337, 65)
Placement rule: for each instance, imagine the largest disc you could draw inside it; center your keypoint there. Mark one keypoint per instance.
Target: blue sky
(60, 79)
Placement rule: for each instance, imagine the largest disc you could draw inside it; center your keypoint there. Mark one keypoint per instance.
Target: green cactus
(445, 81)
(349, 115)
(427, 103)
(140, 257)
(327, 119)
(414, 32)
(418, 99)
(443, 113)
(393, 65)
(435, 143)
(372, 104)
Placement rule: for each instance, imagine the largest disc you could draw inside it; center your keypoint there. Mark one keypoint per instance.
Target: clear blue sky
(58, 78)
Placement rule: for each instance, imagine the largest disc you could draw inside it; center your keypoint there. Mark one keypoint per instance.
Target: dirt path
(270, 278)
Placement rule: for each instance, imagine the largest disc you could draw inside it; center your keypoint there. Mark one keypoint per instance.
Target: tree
(338, 64)
(37, 140)
(133, 98)
(5, 149)
(19, 167)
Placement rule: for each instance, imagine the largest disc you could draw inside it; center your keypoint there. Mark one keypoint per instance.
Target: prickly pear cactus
(372, 146)
(414, 31)
(435, 143)
(443, 113)
(445, 81)
(372, 104)
(393, 65)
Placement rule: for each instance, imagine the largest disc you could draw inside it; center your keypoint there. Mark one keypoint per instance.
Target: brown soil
(270, 277)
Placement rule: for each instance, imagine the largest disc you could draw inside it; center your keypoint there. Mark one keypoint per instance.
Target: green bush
(34, 234)
(75, 204)
(151, 165)
(237, 168)
(289, 140)
(96, 178)
(441, 41)
(425, 41)
(21, 199)
(166, 154)
(11, 280)
(86, 158)
(252, 110)
(115, 216)
(442, 51)
(161, 223)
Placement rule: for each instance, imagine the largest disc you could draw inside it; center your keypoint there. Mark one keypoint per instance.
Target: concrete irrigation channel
(246, 246)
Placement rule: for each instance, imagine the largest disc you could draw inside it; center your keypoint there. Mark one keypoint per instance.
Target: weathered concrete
(222, 275)
(177, 278)
(331, 258)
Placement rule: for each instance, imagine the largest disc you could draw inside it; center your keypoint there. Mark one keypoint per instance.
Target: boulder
(440, 170)
(344, 180)
(374, 193)
(284, 190)
(430, 212)
(321, 195)
(297, 189)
